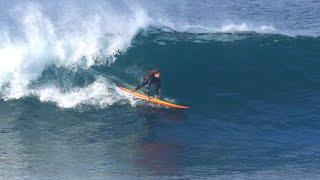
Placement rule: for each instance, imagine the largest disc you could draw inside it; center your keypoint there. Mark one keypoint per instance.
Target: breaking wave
(33, 39)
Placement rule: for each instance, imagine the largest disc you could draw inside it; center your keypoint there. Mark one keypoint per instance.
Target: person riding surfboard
(153, 78)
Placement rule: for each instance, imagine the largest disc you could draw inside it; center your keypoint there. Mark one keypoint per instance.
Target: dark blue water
(253, 90)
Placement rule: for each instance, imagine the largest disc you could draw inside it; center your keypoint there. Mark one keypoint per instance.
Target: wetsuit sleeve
(144, 82)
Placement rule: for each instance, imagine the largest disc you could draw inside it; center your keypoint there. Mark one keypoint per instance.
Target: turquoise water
(251, 79)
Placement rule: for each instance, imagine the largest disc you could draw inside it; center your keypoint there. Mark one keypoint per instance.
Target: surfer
(153, 78)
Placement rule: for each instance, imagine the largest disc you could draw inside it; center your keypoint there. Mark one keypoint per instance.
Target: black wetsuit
(149, 80)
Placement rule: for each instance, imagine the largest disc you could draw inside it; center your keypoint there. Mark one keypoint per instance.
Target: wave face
(228, 72)
(236, 69)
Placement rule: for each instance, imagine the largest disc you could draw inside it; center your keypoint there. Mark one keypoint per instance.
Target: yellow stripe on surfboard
(153, 100)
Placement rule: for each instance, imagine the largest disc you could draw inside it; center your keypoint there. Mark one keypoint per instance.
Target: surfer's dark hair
(154, 71)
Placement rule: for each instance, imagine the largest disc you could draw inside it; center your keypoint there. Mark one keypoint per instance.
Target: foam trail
(98, 93)
(101, 93)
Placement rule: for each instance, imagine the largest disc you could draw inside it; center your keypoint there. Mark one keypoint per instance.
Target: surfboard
(153, 100)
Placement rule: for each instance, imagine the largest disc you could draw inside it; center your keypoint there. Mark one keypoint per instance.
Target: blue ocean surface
(249, 70)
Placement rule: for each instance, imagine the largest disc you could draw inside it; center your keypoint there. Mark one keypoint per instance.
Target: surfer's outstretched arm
(144, 82)
(140, 86)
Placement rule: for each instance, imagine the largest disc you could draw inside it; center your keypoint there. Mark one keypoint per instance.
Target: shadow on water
(159, 158)
(172, 115)
(157, 154)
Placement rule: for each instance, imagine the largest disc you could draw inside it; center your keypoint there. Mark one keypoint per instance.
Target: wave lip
(243, 27)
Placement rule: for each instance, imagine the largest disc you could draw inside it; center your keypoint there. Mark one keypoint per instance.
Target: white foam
(43, 42)
(101, 93)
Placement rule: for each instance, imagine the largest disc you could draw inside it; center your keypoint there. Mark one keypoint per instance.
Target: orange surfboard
(153, 100)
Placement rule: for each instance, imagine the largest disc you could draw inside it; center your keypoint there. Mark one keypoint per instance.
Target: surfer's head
(157, 74)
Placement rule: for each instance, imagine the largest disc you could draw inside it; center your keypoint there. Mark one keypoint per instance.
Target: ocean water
(249, 70)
